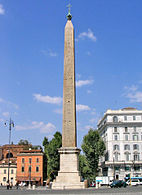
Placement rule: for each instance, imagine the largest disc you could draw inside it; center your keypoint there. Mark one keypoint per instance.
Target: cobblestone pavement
(105, 191)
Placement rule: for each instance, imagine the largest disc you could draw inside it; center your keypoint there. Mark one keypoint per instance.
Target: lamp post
(10, 124)
(113, 168)
(30, 173)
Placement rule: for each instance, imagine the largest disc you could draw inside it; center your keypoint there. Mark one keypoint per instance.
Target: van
(135, 182)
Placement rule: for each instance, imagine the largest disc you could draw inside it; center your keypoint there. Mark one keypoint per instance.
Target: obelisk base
(68, 176)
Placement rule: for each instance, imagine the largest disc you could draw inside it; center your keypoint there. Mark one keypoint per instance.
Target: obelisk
(68, 175)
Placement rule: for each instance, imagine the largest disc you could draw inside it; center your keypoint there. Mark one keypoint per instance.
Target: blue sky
(108, 52)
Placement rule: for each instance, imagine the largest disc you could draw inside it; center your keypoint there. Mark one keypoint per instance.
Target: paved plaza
(106, 191)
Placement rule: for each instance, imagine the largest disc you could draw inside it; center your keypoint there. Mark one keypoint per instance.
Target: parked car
(134, 182)
(93, 184)
(118, 184)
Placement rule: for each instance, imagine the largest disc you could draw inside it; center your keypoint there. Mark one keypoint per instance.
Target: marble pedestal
(68, 175)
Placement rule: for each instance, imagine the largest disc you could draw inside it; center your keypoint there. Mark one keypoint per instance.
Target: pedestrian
(11, 184)
(17, 185)
(7, 185)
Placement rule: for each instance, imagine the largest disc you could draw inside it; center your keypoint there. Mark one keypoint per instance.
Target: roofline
(120, 112)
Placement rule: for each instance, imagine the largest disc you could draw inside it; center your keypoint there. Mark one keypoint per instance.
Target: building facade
(121, 131)
(8, 163)
(30, 167)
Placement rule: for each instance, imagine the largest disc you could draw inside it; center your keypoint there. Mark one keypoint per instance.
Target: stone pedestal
(68, 176)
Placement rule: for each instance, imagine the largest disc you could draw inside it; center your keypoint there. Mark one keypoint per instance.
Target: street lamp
(30, 172)
(9, 123)
(113, 168)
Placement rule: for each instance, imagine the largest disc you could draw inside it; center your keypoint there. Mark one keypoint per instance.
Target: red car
(92, 184)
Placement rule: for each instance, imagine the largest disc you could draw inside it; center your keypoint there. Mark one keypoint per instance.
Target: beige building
(121, 131)
(4, 174)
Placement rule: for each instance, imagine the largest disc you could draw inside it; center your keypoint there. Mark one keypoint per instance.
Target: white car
(134, 182)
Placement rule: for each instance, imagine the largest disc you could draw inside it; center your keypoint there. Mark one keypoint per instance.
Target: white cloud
(88, 127)
(137, 97)
(44, 128)
(80, 107)
(76, 40)
(132, 88)
(49, 53)
(78, 76)
(47, 99)
(88, 53)
(81, 83)
(92, 120)
(89, 34)
(2, 11)
(8, 103)
(133, 94)
(58, 111)
(6, 114)
(89, 91)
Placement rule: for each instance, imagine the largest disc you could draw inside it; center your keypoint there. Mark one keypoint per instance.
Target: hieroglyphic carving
(69, 112)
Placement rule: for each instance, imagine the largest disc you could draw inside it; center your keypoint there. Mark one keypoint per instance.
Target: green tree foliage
(51, 151)
(28, 145)
(45, 144)
(84, 167)
(25, 143)
(93, 148)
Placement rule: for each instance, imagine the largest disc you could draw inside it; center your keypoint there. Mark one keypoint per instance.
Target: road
(105, 191)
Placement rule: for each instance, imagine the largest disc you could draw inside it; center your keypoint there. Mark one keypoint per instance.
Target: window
(9, 155)
(136, 157)
(135, 147)
(116, 147)
(135, 129)
(4, 171)
(125, 118)
(126, 129)
(115, 119)
(127, 168)
(12, 171)
(135, 137)
(127, 156)
(126, 147)
(23, 160)
(30, 160)
(23, 169)
(134, 118)
(115, 137)
(136, 168)
(30, 168)
(37, 160)
(115, 129)
(37, 169)
(4, 178)
(117, 168)
(126, 137)
(116, 157)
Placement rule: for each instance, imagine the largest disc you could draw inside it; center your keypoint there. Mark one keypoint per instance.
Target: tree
(84, 167)
(28, 145)
(93, 148)
(25, 143)
(45, 144)
(53, 157)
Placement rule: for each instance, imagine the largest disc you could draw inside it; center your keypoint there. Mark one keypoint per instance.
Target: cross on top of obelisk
(69, 16)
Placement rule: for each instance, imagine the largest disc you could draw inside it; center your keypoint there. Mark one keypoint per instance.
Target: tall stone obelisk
(68, 175)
